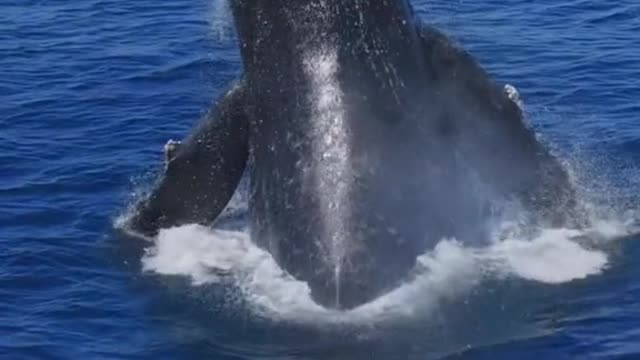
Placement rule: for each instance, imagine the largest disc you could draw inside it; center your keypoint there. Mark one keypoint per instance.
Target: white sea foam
(451, 269)
(552, 257)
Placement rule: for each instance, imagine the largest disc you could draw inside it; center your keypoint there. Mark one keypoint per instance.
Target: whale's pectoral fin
(201, 173)
(492, 135)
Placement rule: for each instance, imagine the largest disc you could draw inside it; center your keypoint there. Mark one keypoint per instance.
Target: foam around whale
(553, 256)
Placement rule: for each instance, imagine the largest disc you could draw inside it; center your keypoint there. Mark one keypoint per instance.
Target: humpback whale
(366, 136)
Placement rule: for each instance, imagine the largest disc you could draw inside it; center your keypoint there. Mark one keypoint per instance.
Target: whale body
(366, 137)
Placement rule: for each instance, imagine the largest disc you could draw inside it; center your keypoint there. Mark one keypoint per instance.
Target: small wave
(172, 71)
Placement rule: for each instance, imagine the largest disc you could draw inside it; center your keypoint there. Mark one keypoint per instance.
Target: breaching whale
(366, 137)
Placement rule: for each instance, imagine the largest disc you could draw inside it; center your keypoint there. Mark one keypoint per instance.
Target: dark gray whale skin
(427, 147)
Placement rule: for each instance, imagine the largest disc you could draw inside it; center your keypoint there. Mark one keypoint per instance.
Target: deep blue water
(91, 90)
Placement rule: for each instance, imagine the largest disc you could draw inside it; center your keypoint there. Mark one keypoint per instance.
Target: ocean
(91, 91)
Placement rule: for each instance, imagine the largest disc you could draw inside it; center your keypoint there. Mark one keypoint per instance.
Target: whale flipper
(201, 173)
(491, 134)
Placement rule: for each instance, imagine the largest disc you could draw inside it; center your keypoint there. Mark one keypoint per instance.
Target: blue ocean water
(91, 90)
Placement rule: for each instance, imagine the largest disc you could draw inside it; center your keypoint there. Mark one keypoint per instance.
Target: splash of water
(220, 20)
(554, 256)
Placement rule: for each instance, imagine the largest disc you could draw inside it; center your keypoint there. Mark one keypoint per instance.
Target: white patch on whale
(329, 137)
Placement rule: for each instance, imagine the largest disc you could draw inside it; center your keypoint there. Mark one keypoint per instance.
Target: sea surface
(91, 90)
